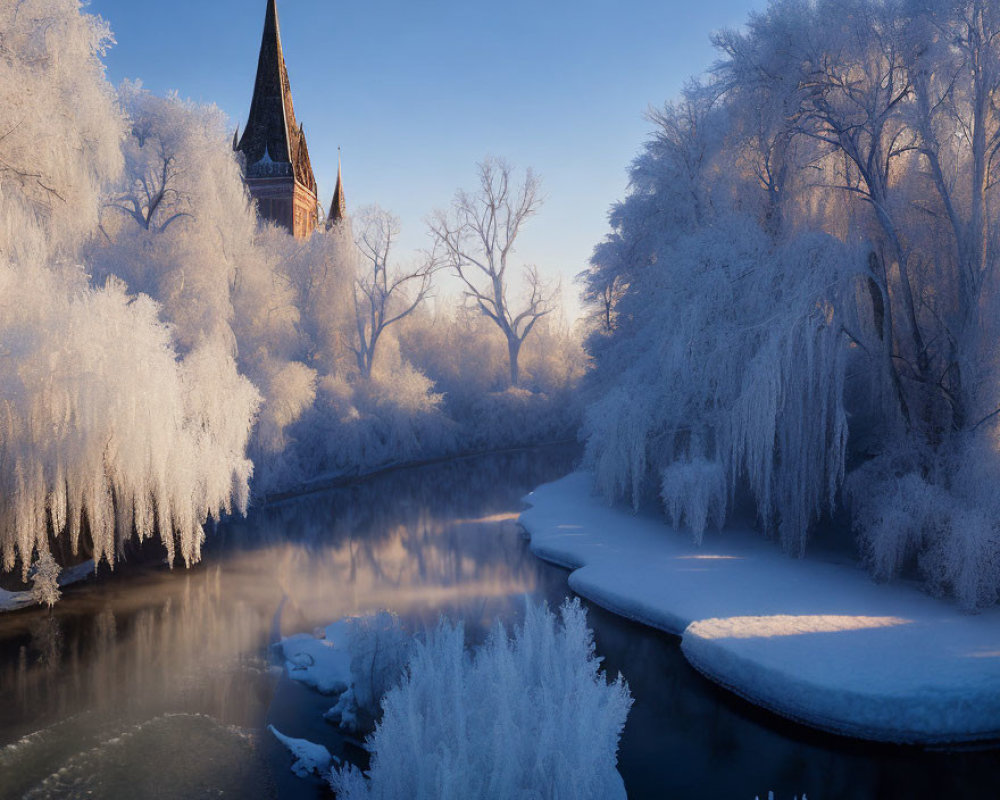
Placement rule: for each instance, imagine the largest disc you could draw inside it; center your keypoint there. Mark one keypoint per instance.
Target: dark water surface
(158, 684)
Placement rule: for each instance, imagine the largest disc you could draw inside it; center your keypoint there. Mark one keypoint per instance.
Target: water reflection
(152, 683)
(151, 655)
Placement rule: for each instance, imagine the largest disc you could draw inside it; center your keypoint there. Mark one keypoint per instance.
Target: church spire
(338, 208)
(277, 169)
(271, 134)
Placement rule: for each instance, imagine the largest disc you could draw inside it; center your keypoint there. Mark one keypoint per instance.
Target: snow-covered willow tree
(179, 226)
(803, 276)
(105, 433)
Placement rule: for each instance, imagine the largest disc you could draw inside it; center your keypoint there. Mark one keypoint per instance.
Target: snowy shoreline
(338, 480)
(819, 643)
(15, 601)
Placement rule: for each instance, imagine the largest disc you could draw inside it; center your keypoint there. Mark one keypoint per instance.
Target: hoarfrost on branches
(104, 431)
(528, 715)
(803, 277)
(45, 580)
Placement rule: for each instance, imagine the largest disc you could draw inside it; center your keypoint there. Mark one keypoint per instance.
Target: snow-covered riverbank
(13, 601)
(814, 641)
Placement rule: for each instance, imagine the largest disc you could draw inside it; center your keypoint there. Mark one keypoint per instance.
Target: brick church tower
(278, 173)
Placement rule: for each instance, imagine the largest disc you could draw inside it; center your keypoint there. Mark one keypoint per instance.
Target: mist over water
(166, 674)
(152, 683)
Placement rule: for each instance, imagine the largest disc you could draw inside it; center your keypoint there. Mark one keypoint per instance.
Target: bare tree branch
(477, 239)
(382, 295)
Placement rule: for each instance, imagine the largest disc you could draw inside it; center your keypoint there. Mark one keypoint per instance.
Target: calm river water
(159, 684)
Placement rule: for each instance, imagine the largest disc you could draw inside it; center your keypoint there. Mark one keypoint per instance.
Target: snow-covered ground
(815, 641)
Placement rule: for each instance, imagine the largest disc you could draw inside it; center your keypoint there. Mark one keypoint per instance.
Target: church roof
(273, 144)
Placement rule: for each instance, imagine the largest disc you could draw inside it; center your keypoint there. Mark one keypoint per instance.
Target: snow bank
(310, 758)
(12, 601)
(817, 642)
(322, 663)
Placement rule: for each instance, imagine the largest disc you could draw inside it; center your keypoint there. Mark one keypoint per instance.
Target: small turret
(338, 208)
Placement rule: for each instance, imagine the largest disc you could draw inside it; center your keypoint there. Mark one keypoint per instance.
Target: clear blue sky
(417, 92)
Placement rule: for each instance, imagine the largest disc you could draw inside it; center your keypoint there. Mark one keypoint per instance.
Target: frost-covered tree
(61, 135)
(156, 193)
(105, 432)
(179, 226)
(477, 239)
(321, 271)
(45, 580)
(803, 276)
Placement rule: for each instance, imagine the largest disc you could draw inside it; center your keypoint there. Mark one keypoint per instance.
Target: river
(152, 683)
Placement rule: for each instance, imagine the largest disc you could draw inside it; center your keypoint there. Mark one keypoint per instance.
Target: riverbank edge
(338, 480)
(923, 673)
(15, 601)
(12, 601)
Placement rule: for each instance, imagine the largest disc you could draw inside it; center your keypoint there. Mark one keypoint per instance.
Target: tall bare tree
(383, 295)
(477, 240)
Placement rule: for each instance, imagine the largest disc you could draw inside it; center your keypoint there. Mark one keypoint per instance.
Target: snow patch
(324, 664)
(310, 758)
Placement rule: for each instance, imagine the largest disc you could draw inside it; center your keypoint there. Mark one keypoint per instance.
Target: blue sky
(417, 92)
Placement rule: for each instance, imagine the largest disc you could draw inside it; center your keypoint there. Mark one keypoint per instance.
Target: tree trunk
(513, 351)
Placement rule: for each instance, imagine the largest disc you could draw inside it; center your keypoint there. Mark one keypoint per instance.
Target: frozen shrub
(357, 426)
(893, 514)
(380, 649)
(45, 580)
(938, 513)
(523, 716)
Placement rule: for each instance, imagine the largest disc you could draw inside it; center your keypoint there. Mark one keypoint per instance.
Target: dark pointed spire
(338, 208)
(272, 142)
(236, 138)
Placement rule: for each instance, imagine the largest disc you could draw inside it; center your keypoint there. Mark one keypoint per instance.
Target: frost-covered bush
(523, 716)
(380, 648)
(360, 425)
(938, 513)
(513, 417)
(466, 358)
(44, 576)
